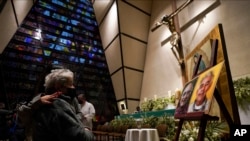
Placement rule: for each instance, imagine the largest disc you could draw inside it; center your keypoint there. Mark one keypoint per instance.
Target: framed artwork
(197, 94)
(213, 51)
(205, 50)
(223, 90)
(2, 3)
(186, 94)
(123, 106)
(202, 95)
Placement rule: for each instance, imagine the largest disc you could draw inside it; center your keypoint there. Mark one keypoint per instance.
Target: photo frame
(182, 106)
(123, 106)
(205, 51)
(200, 88)
(204, 90)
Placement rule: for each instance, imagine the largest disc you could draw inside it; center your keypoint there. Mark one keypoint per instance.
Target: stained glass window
(57, 32)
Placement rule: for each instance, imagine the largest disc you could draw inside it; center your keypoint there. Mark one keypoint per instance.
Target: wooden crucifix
(172, 22)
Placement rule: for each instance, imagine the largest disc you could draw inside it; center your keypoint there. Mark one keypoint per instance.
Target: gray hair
(56, 79)
(209, 74)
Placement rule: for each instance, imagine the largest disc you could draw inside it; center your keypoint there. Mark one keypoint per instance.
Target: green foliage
(116, 122)
(156, 104)
(214, 130)
(242, 92)
(170, 122)
(147, 105)
(151, 120)
(129, 121)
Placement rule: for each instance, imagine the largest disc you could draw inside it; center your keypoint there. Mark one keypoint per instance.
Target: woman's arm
(42, 99)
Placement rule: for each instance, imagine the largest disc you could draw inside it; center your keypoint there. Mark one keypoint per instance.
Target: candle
(177, 93)
(176, 102)
(169, 94)
(155, 96)
(145, 99)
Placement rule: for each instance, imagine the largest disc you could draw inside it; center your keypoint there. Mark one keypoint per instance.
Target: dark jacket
(59, 122)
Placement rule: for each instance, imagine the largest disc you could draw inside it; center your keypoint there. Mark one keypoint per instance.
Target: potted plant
(116, 124)
(130, 121)
(149, 122)
(166, 127)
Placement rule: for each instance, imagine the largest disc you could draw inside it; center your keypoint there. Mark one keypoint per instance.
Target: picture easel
(204, 118)
(200, 116)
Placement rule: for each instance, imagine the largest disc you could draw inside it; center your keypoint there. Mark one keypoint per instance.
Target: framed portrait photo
(186, 94)
(202, 95)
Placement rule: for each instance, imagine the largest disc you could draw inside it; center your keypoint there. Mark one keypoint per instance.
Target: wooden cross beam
(172, 22)
(168, 19)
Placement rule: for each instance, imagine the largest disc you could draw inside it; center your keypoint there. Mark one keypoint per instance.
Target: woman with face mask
(26, 111)
(58, 121)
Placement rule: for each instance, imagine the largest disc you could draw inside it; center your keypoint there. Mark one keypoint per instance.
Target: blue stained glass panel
(68, 27)
(50, 37)
(61, 48)
(28, 40)
(46, 5)
(65, 41)
(67, 34)
(46, 13)
(58, 2)
(82, 60)
(75, 22)
(55, 62)
(72, 58)
(51, 45)
(59, 17)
